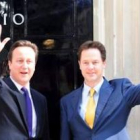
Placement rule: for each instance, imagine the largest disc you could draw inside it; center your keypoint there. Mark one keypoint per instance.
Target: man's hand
(4, 41)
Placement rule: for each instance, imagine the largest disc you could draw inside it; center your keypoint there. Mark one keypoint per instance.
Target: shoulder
(72, 94)
(119, 81)
(36, 94)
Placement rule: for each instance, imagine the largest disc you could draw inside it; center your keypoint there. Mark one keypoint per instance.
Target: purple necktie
(28, 110)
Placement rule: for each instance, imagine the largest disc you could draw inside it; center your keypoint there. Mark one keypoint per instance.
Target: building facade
(58, 27)
(117, 25)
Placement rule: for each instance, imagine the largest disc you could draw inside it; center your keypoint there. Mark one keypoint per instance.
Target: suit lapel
(76, 99)
(105, 93)
(20, 99)
(75, 102)
(37, 111)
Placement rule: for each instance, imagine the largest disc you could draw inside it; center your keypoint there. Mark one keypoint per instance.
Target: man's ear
(104, 64)
(9, 64)
(79, 64)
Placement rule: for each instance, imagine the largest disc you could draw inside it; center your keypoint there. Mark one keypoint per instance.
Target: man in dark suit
(99, 109)
(23, 110)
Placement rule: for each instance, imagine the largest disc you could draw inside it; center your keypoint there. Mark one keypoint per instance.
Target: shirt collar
(96, 88)
(19, 86)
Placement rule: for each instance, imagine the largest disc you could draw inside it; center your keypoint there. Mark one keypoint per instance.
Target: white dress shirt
(34, 117)
(85, 97)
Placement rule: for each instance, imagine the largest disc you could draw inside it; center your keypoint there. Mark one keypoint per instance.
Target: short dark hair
(92, 44)
(23, 43)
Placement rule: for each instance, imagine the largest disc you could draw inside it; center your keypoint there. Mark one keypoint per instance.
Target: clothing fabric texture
(117, 98)
(13, 123)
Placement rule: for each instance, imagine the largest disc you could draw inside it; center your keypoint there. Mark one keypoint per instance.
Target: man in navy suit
(16, 122)
(113, 100)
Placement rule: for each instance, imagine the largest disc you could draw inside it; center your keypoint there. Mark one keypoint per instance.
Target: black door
(58, 27)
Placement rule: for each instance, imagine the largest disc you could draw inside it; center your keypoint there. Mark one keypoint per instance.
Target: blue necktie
(28, 110)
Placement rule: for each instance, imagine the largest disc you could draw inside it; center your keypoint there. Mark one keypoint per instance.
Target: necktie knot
(92, 92)
(25, 91)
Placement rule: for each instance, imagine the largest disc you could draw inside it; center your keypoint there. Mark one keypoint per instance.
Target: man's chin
(24, 82)
(93, 78)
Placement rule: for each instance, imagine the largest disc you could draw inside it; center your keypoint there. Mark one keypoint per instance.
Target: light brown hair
(23, 43)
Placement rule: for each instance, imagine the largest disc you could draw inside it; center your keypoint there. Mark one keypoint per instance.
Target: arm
(131, 93)
(4, 41)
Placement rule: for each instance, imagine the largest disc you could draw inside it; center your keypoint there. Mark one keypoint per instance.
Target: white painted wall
(117, 26)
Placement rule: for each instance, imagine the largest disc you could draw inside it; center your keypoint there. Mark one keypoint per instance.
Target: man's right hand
(4, 41)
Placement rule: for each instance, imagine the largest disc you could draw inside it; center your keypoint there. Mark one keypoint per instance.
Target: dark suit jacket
(117, 97)
(12, 113)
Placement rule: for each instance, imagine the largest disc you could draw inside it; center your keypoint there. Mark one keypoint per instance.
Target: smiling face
(22, 65)
(91, 66)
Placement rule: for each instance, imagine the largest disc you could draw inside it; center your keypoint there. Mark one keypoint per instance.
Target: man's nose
(91, 66)
(25, 65)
